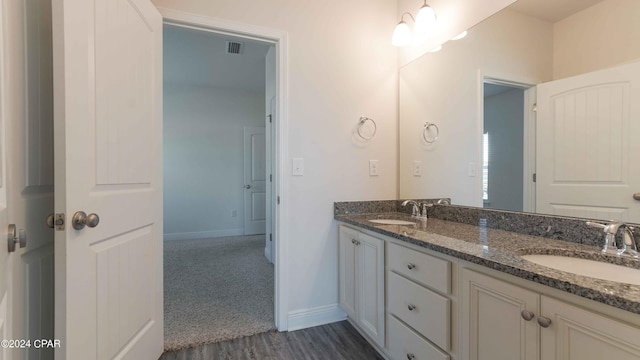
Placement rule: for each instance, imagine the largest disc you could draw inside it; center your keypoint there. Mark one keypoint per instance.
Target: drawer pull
(545, 322)
(411, 266)
(411, 307)
(410, 356)
(527, 315)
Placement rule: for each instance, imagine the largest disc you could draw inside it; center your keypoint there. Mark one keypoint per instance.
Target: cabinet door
(493, 328)
(579, 334)
(348, 274)
(371, 286)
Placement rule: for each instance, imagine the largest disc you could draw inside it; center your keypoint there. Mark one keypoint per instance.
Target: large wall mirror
(537, 109)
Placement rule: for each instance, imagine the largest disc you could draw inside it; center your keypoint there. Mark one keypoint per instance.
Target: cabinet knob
(411, 266)
(545, 322)
(353, 241)
(410, 356)
(527, 315)
(411, 307)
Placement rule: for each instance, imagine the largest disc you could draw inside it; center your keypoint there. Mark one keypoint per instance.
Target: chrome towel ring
(425, 132)
(361, 123)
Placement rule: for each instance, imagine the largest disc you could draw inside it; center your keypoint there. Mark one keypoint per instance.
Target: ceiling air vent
(234, 47)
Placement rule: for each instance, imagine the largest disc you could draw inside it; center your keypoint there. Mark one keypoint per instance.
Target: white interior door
(108, 156)
(588, 156)
(254, 180)
(5, 265)
(29, 170)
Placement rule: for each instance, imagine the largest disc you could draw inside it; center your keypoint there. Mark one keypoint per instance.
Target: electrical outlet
(373, 168)
(417, 168)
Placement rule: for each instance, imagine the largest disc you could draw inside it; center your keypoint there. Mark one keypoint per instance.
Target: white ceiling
(200, 58)
(551, 10)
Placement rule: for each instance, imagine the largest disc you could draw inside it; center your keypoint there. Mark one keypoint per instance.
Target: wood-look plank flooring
(327, 342)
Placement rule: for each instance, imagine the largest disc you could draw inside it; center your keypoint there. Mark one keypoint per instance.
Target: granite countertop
(500, 250)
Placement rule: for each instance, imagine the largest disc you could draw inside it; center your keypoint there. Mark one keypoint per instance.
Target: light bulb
(460, 36)
(426, 20)
(401, 35)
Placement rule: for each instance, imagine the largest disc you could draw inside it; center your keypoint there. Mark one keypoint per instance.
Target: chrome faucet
(611, 230)
(416, 208)
(415, 211)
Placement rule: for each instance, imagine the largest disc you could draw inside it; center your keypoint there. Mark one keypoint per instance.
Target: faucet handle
(596, 225)
(628, 243)
(425, 206)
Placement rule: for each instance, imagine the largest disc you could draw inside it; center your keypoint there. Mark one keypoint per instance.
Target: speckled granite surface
(498, 249)
(552, 227)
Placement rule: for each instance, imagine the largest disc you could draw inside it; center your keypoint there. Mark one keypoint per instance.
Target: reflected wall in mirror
(578, 63)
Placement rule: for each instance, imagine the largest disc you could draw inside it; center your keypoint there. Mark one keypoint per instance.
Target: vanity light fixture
(425, 23)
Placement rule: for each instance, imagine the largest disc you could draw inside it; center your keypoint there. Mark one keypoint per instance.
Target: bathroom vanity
(442, 289)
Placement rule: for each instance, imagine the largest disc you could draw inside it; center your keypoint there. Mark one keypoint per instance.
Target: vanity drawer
(424, 310)
(426, 269)
(404, 342)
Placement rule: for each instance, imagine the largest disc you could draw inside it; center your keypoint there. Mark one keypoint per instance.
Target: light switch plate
(417, 168)
(373, 168)
(298, 167)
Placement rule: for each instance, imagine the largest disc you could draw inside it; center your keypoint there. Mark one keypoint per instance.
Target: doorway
(506, 135)
(218, 186)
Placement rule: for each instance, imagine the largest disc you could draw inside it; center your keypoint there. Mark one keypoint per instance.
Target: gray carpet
(215, 290)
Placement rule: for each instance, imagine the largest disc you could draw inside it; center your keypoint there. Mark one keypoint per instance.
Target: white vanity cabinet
(361, 281)
(419, 304)
(506, 321)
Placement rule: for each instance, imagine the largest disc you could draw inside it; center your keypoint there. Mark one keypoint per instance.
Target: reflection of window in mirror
(485, 168)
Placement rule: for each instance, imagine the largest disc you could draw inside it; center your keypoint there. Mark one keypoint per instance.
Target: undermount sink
(590, 268)
(392, 222)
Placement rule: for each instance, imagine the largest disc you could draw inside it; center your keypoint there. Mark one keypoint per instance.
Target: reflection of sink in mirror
(590, 268)
(392, 222)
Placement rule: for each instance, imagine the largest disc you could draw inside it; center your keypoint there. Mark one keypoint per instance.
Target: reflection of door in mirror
(503, 147)
(588, 152)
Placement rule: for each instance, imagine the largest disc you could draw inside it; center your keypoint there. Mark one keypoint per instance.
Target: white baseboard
(306, 318)
(267, 253)
(203, 234)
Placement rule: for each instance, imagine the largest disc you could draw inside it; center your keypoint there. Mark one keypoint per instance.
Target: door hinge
(270, 118)
(278, 200)
(534, 177)
(270, 237)
(534, 108)
(270, 178)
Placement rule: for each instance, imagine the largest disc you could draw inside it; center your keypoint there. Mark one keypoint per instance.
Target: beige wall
(341, 66)
(597, 38)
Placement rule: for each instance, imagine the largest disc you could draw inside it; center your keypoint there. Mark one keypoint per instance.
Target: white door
(370, 285)
(108, 157)
(29, 170)
(588, 155)
(348, 270)
(254, 181)
(5, 261)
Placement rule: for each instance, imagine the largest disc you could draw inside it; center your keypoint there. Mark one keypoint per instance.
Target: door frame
(279, 144)
(529, 136)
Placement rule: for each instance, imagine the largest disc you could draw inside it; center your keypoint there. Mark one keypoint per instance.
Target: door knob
(247, 186)
(636, 196)
(81, 219)
(16, 236)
